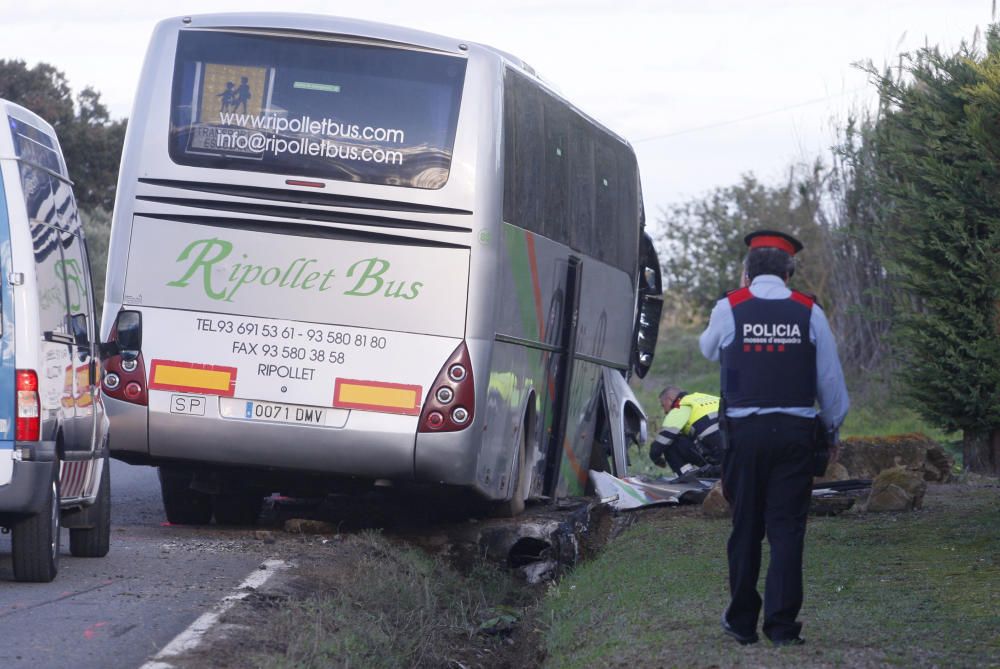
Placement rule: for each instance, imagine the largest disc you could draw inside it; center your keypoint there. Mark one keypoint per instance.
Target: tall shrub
(937, 138)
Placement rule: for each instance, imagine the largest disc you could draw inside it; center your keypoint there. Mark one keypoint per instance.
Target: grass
(919, 589)
(389, 605)
(916, 589)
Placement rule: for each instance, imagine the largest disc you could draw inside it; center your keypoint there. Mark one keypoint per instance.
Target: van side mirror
(78, 328)
(128, 334)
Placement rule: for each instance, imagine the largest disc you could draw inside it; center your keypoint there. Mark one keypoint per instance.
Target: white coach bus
(345, 252)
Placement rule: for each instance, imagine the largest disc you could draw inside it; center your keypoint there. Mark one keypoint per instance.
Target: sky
(706, 91)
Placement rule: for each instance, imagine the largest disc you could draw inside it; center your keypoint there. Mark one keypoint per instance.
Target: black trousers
(683, 451)
(767, 478)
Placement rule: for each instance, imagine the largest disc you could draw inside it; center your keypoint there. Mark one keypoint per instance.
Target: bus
(53, 430)
(345, 253)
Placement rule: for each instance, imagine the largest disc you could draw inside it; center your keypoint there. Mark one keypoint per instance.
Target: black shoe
(793, 641)
(689, 476)
(708, 472)
(744, 639)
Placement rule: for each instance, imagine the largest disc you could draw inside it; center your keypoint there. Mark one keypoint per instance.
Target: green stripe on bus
(517, 250)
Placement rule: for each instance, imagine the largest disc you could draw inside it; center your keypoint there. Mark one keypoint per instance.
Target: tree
(855, 215)
(92, 145)
(701, 241)
(90, 140)
(938, 163)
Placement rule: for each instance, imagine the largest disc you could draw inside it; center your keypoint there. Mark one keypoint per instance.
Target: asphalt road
(120, 610)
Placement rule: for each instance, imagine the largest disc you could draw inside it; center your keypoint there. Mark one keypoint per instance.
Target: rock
(715, 504)
(264, 535)
(940, 463)
(890, 497)
(540, 572)
(897, 489)
(834, 472)
(308, 526)
(865, 457)
(832, 505)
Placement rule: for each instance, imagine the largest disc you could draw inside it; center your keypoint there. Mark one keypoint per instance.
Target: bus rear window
(319, 108)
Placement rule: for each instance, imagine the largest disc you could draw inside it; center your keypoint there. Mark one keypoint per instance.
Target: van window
(40, 202)
(35, 146)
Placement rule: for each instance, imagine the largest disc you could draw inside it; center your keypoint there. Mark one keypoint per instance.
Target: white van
(53, 430)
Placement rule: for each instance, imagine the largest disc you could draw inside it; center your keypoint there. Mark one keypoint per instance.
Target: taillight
(29, 406)
(451, 401)
(124, 375)
(125, 380)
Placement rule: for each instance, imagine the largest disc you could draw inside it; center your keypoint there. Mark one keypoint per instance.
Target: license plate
(283, 413)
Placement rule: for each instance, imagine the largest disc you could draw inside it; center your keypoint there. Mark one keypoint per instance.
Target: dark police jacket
(771, 362)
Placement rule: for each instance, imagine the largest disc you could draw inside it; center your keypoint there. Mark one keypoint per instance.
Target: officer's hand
(833, 438)
(658, 454)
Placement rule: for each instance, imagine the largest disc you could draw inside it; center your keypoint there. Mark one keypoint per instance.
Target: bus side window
(606, 186)
(629, 211)
(525, 157)
(581, 197)
(556, 223)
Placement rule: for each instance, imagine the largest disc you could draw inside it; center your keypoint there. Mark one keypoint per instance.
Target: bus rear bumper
(371, 445)
(449, 458)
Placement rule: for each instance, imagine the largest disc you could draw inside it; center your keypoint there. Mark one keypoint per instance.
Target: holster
(821, 448)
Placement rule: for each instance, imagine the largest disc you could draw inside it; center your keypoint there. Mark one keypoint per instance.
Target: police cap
(771, 239)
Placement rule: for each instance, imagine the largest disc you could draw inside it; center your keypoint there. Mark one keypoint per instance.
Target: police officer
(778, 358)
(689, 439)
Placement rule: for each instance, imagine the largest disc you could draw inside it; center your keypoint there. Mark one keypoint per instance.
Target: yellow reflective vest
(697, 414)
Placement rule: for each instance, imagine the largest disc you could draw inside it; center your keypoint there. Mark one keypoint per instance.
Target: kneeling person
(689, 440)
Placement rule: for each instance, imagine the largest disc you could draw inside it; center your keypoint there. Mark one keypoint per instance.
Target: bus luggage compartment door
(626, 419)
(563, 379)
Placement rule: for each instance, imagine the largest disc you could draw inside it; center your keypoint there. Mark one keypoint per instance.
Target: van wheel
(183, 505)
(515, 505)
(95, 540)
(35, 540)
(237, 508)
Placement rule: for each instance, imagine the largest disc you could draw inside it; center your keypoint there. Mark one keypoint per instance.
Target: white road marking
(192, 636)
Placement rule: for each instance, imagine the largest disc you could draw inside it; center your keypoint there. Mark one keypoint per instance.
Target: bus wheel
(515, 505)
(95, 539)
(237, 508)
(35, 540)
(183, 505)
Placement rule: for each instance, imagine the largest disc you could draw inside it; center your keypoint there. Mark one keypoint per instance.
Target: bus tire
(182, 505)
(35, 540)
(237, 508)
(515, 505)
(95, 541)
